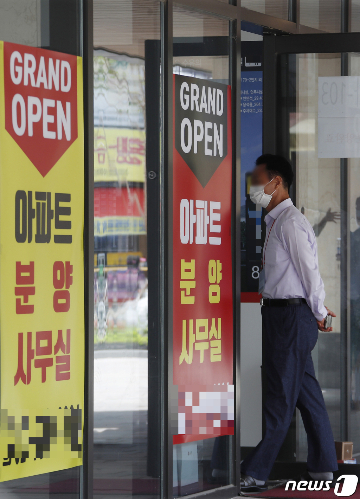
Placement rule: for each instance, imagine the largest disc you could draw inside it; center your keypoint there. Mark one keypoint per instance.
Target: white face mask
(258, 196)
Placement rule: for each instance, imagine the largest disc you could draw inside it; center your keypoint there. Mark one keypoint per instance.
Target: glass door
(312, 117)
(163, 356)
(201, 333)
(127, 129)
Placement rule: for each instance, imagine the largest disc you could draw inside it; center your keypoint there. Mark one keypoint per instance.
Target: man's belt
(277, 302)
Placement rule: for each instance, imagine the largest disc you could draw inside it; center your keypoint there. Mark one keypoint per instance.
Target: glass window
(42, 24)
(321, 14)
(127, 146)
(276, 8)
(318, 196)
(324, 150)
(353, 165)
(355, 15)
(24, 22)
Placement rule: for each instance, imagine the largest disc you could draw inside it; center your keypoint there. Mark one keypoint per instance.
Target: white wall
(250, 375)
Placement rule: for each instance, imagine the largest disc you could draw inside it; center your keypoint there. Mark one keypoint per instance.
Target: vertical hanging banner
(41, 261)
(202, 259)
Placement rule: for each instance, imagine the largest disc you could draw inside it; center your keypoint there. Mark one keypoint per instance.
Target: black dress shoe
(248, 484)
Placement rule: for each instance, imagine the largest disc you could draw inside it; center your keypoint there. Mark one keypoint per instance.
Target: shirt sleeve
(303, 255)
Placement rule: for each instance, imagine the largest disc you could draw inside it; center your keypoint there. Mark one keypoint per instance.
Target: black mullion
(326, 43)
(153, 141)
(235, 79)
(167, 247)
(345, 333)
(88, 455)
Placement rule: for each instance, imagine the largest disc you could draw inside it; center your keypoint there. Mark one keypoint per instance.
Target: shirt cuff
(321, 314)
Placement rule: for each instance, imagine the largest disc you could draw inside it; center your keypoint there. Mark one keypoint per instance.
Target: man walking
(292, 312)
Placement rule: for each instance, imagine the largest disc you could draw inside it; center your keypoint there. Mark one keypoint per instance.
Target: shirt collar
(275, 212)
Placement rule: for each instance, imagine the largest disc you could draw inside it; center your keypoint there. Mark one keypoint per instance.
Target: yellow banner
(41, 261)
(119, 155)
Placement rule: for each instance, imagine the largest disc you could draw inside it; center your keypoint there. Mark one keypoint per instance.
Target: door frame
(275, 132)
(235, 14)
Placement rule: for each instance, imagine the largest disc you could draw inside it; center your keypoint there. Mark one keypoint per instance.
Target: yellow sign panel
(119, 155)
(41, 261)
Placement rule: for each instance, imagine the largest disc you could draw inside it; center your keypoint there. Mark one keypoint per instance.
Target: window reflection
(126, 458)
(120, 295)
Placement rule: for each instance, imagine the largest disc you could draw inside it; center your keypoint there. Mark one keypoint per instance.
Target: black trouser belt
(277, 302)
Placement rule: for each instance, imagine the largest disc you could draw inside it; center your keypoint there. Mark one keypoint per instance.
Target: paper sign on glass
(339, 117)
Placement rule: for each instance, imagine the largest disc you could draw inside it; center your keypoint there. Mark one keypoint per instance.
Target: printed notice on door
(41, 261)
(339, 117)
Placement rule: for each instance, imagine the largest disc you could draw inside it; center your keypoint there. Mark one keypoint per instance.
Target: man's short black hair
(277, 165)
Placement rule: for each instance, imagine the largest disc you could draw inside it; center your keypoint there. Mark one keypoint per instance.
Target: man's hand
(321, 323)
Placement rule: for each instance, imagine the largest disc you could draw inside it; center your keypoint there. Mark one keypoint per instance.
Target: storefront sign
(119, 226)
(119, 211)
(202, 263)
(119, 155)
(41, 261)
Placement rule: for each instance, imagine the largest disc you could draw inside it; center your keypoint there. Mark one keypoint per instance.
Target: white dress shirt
(290, 258)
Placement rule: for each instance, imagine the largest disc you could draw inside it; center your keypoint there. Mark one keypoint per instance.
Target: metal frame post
(88, 44)
(167, 246)
(235, 67)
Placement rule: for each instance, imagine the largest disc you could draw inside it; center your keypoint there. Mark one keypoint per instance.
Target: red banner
(40, 102)
(202, 260)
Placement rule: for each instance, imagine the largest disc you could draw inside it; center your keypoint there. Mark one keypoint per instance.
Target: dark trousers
(290, 334)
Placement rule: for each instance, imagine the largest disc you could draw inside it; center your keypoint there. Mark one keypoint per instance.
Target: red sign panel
(202, 260)
(40, 102)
